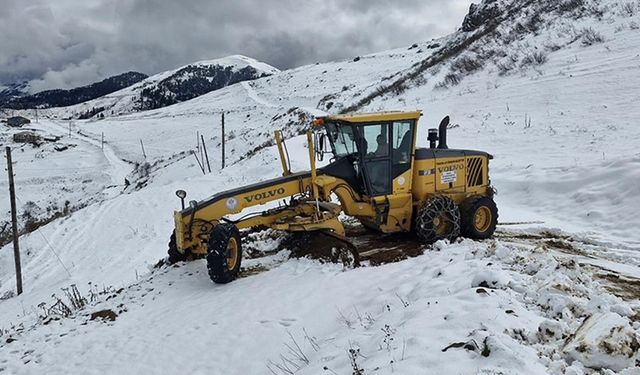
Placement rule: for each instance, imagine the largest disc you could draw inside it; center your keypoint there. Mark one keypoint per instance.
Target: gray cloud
(66, 43)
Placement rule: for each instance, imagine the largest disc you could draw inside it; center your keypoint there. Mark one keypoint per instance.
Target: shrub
(398, 88)
(590, 37)
(450, 79)
(466, 65)
(596, 10)
(552, 46)
(628, 9)
(505, 66)
(535, 58)
(569, 5)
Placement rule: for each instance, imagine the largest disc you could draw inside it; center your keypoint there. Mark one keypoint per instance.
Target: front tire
(225, 253)
(438, 219)
(174, 255)
(479, 218)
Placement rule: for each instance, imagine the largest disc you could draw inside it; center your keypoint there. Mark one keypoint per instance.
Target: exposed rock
(104, 315)
(480, 14)
(604, 340)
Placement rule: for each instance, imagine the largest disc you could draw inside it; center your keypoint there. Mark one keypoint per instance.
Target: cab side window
(402, 142)
(376, 149)
(376, 140)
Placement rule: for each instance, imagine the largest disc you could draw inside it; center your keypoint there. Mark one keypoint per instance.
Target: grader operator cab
(376, 175)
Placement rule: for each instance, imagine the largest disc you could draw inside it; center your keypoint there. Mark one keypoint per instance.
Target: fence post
(206, 155)
(142, 145)
(195, 155)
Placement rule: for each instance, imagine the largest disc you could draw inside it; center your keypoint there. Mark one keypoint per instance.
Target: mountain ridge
(171, 87)
(63, 98)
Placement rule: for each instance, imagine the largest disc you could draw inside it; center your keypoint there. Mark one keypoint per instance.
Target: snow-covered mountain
(171, 87)
(13, 90)
(549, 88)
(62, 98)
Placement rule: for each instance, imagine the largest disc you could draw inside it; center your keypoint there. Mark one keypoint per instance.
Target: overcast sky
(67, 43)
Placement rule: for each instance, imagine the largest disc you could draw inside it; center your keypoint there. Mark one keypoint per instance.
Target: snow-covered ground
(560, 296)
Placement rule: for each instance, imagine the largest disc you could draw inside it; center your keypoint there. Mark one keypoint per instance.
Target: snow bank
(605, 340)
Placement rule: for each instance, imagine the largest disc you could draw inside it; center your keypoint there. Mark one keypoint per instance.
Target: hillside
(13, 90)
(548, 88)
(170, 87)
(63, 98)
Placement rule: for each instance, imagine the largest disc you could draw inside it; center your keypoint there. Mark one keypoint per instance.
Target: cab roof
(374, 117)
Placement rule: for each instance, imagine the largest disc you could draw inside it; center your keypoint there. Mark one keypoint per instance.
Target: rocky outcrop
(480, 14)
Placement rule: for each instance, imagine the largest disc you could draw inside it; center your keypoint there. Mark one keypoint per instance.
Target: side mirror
(182, 195)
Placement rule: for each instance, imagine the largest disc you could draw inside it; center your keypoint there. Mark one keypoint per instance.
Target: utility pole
(222, 140)
(14, 222)
(102, 143)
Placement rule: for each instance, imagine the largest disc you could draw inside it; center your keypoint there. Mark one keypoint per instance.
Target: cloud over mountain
(67, 43)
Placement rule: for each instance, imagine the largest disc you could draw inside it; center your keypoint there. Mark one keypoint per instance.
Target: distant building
(18, 121)
(27, 137)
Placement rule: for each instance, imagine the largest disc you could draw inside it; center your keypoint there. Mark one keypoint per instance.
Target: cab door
(387, 157)
(375, 154)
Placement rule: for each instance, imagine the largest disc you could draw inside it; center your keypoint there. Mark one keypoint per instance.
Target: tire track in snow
(118, 168)
(254, 95)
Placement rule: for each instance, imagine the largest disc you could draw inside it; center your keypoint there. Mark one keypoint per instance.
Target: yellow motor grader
(376, 175)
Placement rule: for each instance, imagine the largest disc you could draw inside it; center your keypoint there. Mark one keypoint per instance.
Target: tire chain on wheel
(217, 256)
(433, 208)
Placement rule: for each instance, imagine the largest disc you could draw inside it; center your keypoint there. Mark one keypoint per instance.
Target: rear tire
(225, 253)
(174, 255)
(479, 218)
(438, 219)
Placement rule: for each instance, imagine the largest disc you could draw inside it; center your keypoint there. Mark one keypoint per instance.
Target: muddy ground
(375, 249)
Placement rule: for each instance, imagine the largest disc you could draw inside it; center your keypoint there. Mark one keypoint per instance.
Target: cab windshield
(342, 138)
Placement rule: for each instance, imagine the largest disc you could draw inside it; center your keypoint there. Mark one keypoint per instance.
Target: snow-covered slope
(556, 106)
(13, 90)
(171, 87)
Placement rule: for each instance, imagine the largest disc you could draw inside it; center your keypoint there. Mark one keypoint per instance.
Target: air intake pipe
(443, 133)
(432, 138)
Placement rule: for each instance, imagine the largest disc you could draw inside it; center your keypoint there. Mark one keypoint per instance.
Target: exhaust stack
(443, 133)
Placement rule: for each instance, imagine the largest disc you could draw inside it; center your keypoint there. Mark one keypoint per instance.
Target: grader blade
(325, 246)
